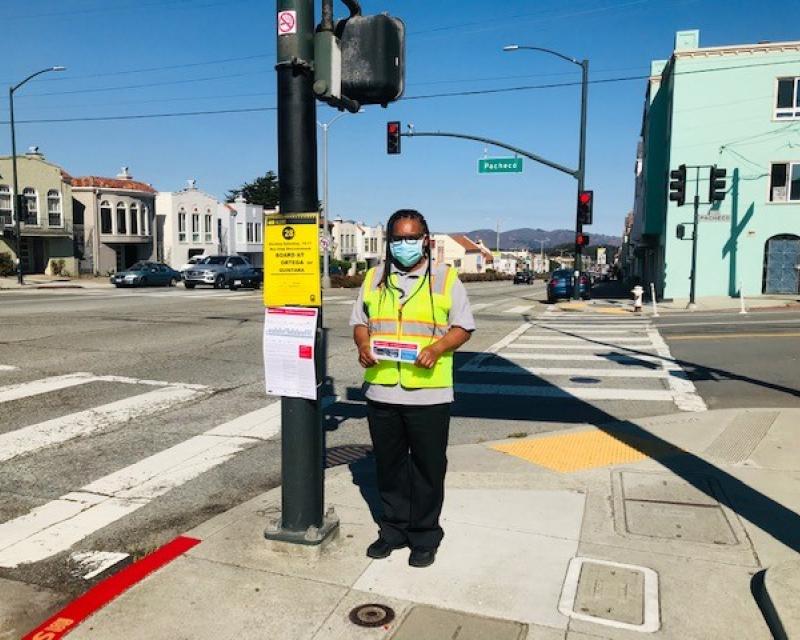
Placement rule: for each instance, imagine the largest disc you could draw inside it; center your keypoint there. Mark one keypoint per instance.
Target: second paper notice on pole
(289, 337)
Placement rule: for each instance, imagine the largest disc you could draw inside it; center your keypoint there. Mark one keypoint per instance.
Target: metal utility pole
(302, 440)
(695, 228)
(17, 200)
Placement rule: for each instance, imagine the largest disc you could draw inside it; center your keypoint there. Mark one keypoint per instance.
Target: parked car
(190, 263)
(523, 277)
(144, 274)
(251, 278)
(216, 271)
(560, 285)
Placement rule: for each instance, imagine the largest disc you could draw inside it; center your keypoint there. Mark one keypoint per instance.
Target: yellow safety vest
(419, 319)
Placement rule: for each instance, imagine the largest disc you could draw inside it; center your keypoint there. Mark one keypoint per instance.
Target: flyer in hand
(395, 351)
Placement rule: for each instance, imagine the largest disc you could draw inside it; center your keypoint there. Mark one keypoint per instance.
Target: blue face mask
(407, 252)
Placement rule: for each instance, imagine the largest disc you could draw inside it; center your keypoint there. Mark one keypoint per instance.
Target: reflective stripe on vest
(421, 320)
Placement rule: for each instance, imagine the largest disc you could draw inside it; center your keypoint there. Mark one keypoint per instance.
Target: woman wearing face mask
(407, 300)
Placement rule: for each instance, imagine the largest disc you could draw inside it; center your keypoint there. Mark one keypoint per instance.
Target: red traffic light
(582, 240)
(393, 127)
(393, 137)
(585, 197)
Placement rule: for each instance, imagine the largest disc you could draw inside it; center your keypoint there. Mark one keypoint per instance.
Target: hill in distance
(527, 238)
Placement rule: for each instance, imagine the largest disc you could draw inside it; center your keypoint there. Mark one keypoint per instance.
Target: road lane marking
(546, 338)
(725, 336)
(521, 309)
(45, 385)
(480, 305)
(584, 346)
(8, 367)
(576, 393)
(83, 423)
(501, 344)
(56, 526)
(95, 562)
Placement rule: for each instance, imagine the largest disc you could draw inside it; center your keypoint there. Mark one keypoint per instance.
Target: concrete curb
(778, 598)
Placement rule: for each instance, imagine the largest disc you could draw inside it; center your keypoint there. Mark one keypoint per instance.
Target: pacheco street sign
(500, 165)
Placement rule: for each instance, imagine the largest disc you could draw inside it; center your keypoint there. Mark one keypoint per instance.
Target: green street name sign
(500, 165)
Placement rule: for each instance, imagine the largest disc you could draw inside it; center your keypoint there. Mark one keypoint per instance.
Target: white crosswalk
(592, 357)
(56, 526)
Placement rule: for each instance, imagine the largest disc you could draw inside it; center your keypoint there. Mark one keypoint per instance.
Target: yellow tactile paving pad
(585, 450)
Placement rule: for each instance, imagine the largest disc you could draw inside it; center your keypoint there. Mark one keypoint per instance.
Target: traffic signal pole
(581, 176)
(302, 439)
(695, 228)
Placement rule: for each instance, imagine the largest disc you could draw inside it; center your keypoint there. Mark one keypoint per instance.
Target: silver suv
(215, 270)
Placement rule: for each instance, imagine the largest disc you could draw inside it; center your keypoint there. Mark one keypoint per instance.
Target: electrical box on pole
(716, 184)
(585, 206)
(393, 137)
(677, 185)
(373, 58)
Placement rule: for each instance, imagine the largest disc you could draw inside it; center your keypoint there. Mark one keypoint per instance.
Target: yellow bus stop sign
(291, 260)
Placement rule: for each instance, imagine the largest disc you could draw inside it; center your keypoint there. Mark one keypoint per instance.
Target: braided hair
(386, 283)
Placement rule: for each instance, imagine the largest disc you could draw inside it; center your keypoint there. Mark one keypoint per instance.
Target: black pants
(410, 444)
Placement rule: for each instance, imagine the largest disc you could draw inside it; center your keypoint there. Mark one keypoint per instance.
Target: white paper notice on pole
(289, 334)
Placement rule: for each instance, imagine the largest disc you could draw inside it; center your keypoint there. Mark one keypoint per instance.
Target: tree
(262, 190)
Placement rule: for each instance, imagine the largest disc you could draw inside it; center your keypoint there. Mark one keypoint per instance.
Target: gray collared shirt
(460, 316)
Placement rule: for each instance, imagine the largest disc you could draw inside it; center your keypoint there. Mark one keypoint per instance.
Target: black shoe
(421, 557)
(382, 549)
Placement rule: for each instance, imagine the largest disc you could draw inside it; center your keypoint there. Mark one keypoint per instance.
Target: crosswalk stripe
(592, 327)
(61, 523)
(344, 302)
(82, 423)
(521, 309)
(589, 332)
(579, 393)
(45, 385)
(686, 396)
(611, 357)
(7, 367)
(510, 369)
(332, 298)
(571, 347)
(547, 338)
(480, 305)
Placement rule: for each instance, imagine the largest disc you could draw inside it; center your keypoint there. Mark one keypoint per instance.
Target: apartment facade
(241, 230)
(461, 253)
(357, 242)
(189, 224)
(730, 106)
(118, 222)
(46, 219)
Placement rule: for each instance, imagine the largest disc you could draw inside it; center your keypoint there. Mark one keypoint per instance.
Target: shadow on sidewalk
(762, 511)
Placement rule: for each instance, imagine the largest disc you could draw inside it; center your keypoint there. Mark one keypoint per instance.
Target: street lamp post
(581, 173)
(16, 205)
(326, 260)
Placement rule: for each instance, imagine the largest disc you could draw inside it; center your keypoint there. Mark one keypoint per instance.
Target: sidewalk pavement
(38, 281)
(661, 527)
(677, 306)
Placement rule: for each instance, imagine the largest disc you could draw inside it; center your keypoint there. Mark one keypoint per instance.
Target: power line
(144, 116)
(163, 4)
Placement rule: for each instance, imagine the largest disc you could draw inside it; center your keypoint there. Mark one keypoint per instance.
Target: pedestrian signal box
(582, 240)
(680, 231)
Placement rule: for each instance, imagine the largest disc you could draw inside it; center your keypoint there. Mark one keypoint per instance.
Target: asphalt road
(108, 399)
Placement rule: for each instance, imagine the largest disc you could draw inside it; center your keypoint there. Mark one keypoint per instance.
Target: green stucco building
(737, 107)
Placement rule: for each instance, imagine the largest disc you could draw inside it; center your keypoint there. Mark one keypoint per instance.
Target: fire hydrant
(637, 292)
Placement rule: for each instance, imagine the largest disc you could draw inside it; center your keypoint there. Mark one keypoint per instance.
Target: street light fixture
(581, 174)
(326, 248)
(16, 204)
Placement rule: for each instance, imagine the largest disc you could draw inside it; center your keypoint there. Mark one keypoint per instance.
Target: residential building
(540, 263)
(189, 224)
(46, 221)
(695, 115)
(241, 230)
(117, 222)
(459, 252)
(357, 242)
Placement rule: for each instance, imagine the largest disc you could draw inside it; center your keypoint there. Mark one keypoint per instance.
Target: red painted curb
(104, 592)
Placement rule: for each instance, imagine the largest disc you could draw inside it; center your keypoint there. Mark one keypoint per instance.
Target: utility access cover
(430, 623)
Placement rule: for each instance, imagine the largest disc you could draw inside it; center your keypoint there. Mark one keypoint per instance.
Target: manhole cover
(371, 615)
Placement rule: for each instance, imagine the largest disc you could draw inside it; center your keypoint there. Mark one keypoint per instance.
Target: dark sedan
(146, 274)
(561, 283)
(523, 277)
(250, 278)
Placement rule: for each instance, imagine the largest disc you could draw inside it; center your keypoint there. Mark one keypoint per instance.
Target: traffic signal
(582, 240)
(677, 185)
(393, 137)
(585, 202)
(680, 231)
(716, 185)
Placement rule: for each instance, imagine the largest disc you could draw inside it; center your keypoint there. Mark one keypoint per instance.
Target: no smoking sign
(287, 23)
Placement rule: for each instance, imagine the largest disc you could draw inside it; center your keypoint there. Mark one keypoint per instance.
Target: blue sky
(222, 54)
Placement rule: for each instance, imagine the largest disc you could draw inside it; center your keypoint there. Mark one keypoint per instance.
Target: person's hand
(365, 357)
(428, 356)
